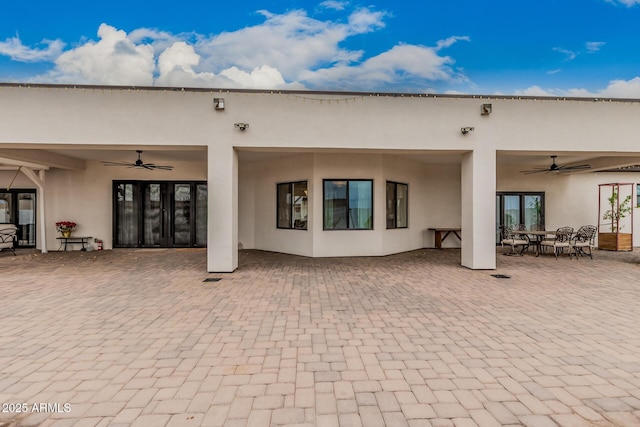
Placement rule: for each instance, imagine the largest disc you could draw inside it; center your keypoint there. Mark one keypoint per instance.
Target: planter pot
(615, 241)
(66, 234)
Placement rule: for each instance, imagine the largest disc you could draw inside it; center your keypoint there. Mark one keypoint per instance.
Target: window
(348, 204)
(397, 205)
(293, 205)
(638, 195)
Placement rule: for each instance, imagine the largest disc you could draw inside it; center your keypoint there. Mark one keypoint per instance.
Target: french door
(19, 207)
(161, 214)
(514, 208)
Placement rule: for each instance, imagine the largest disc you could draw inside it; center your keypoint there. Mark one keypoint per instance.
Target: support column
(479, 209)
(222, 220)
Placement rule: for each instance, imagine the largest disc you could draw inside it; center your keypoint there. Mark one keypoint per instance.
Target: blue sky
(547, 47)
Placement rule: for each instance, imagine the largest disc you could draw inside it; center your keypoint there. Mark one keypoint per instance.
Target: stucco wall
(434, 201)
(85, 196)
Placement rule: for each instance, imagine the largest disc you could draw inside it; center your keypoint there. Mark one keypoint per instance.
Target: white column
(222, 221)
(479, 209)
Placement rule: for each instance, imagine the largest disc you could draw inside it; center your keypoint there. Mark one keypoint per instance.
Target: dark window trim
(291, 220)
(348, 180)
(395, 204)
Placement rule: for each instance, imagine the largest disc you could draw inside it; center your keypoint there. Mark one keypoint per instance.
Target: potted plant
(66, 227)
(615, 229)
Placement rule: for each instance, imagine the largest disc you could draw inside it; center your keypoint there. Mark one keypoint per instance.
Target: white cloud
(289, 50)
(291, 43)
(176, 67)
(407, 67)
(628, 3)
(113, 60)
(534, 91)
(14, 49)
(615, 89)
(569, 54)
(450, 41)
(333, 4)
(594, 46)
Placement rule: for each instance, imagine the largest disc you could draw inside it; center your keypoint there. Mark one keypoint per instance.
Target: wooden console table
(440, 234)
(83, 240)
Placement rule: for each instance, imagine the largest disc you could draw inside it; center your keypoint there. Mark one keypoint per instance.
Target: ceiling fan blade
(164, 168)
(574, 168)
(117, 164)
(538, 170)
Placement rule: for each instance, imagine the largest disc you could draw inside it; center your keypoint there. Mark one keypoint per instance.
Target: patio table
(83, 240)
(538, 236)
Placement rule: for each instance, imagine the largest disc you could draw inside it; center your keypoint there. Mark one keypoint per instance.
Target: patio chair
(507, 237)
(8, 237)
(561, 241)
(583, 240)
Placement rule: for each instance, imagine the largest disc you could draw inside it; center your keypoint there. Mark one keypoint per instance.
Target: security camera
(466, 130)
(242, 126)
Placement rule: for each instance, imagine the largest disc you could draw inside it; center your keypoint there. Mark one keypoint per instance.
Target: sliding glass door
(160, 214)
(514, 208)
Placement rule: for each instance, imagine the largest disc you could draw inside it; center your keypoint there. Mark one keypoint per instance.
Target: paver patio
(135, 337)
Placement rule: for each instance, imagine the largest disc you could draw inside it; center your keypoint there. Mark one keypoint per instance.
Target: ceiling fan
(139, 164)
(554, 167)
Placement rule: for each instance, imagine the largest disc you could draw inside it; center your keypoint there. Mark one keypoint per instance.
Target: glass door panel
(532, 211)
(5, 208)
(511, 210)
(182, 214)
(126, 216)
(153, 218)
(201, 214)
(26, 219)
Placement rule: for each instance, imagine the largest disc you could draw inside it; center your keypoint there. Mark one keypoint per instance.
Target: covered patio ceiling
(40, 157)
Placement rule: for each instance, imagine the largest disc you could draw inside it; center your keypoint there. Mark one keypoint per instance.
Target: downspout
(38, 180)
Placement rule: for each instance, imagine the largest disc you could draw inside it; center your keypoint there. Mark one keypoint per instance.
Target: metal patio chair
(507, 237)
(583, 240)
(561, 241)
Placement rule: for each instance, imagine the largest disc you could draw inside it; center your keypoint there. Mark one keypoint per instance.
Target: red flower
(66, 226)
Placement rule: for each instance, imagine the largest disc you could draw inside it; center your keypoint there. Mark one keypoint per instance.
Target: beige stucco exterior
(417, 140)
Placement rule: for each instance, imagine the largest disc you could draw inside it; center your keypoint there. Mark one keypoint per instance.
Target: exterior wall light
(466, 130)
(486, 109)
(218, 103)
(241, 126)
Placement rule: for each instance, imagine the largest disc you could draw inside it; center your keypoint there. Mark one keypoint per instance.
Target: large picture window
(397, 205)
(293, 205)
(348, 204)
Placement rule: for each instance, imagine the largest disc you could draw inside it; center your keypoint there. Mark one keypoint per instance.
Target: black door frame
(15, 213)
(522, 194)
(167, 219)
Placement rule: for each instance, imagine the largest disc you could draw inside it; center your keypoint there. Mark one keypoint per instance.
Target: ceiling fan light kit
(139, 164)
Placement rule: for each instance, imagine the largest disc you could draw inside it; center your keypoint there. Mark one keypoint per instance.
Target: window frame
(395, 204)
(348, 181)
(291, 226)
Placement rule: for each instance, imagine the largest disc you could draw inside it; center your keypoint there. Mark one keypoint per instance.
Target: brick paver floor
(136, 338)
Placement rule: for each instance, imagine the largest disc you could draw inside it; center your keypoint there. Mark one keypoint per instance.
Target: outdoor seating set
(579, 243)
